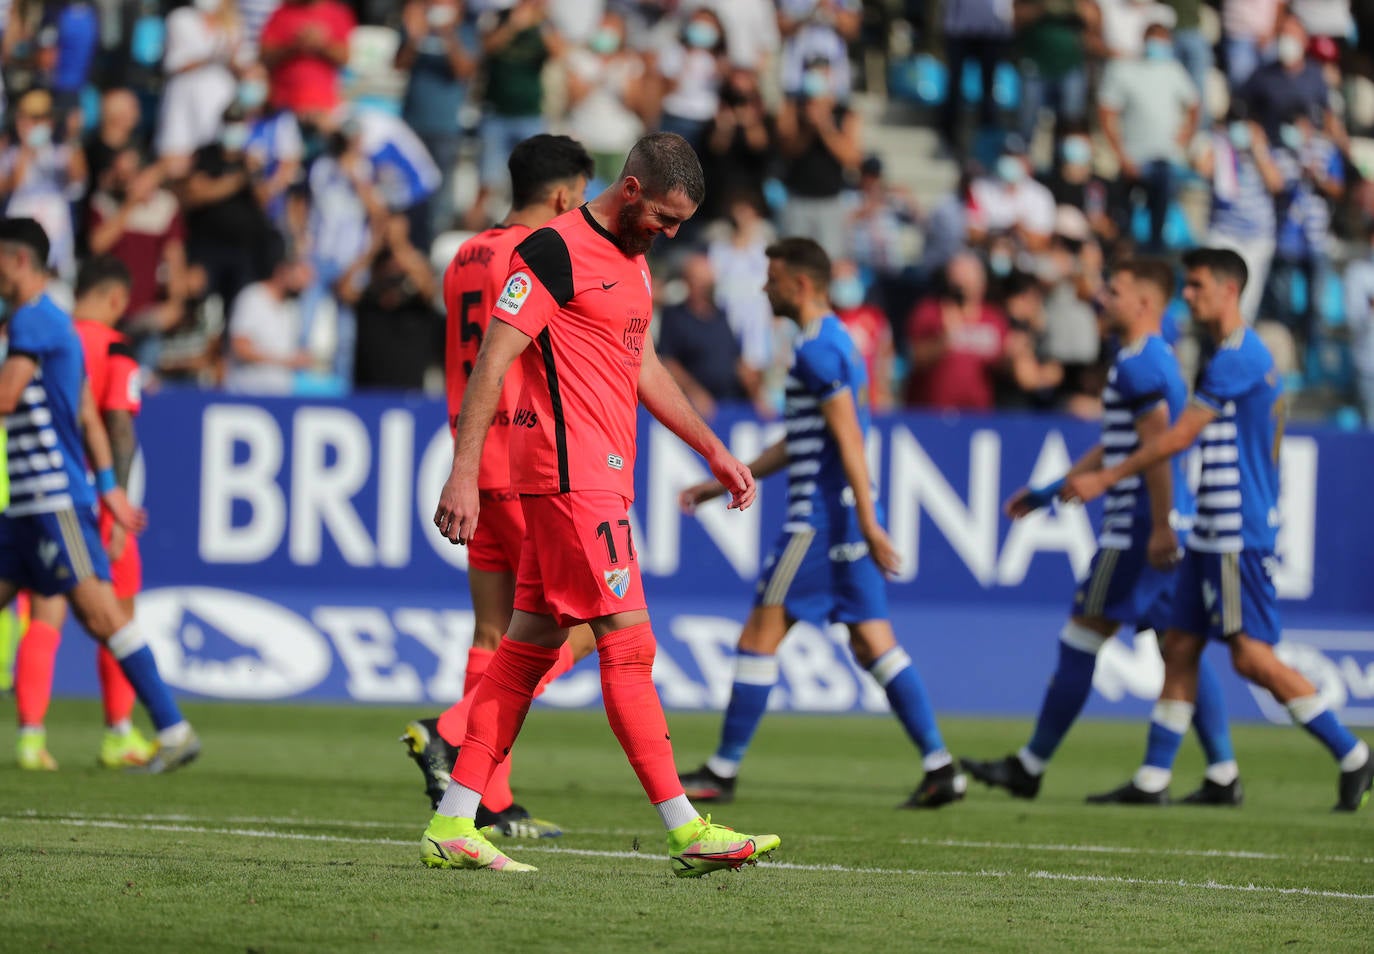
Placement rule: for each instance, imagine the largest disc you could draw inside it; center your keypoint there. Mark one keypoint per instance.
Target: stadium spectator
(881, 216)
(871, 330)
(1052, 43)
(1359, 314)
(946, 229)
(1012, 202)
(957, 341)
(1292, 83)
(698, 346)
(203, 50)
(39, 176)
(516, 43)
(275, 150)
(139, 223)
(818, 30)
(116, 129)
(691, 67)
(75, 33)
(1075, 183)
(1192, 47)
(255, 15)
(738, 151)
(1247, 30)
(405, 176)
(264, 327)
(1236, 160)
(304, 44)
(439, 55)
(1148, 108)
(1124, 23)
(1035, 377)
(752, 34)
(976, 31)
(392, 289)
(609, 96)
(739, 266)
(820, 142)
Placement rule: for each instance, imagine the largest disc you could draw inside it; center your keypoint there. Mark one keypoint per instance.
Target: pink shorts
(495, 547)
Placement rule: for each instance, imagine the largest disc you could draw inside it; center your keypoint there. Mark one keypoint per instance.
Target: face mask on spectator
(702, 35)
(1010, 170)
(1077, 150)
(604, 41)
(440, 17)
(999, 263)
(1291, 136)
(1240, 134)
(252, 94)
(815, 84)
(209, 6)
(234, 136)
(1157, 48)
(1290, 49)
(38, 136)
(847, 292)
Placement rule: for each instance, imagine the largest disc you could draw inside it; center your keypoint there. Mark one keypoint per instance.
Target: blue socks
(906, 693)
(140, 668)
(755, 676)
(1168, 722)
(1313, 715)
(1209, 716)
(1064, 699)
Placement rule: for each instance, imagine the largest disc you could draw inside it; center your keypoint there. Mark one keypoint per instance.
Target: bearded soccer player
(1225, 588)
(102, 295)
(548, 177)
(49, 539)
(576, 310)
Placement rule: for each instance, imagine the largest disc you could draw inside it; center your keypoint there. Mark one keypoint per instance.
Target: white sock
(126, 642)
(936, 760)
(174, 735)
(1223, 773)
(1306, 708)
(1174, 714)
(722, 768)
(122, 727)
(676, 812)
(459, 801)
(1032, 763)
(1355, 758)
(1151, 778)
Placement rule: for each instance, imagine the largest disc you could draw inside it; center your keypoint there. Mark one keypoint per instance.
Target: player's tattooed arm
(662, 397)
(769, 462)
(119, 425)
(1086, 487)
(456, 515)
(101, 459)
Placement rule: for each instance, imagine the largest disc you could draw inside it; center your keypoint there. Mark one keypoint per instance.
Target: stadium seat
(924, 80)
(1177, 232)
(371, 51)
(444, 247)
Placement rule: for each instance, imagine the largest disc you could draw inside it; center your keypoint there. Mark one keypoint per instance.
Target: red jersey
(587, 305)
(472, 283)
(111, 368)
(962, 379)
(306, 82)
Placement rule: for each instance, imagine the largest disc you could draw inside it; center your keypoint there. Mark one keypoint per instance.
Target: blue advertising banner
(291, 555)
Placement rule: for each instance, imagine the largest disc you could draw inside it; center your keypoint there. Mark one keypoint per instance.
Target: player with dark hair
(102, 297)
(49, 540)
(1225, 587)
(1131, 580)
(829, 561)
(548, 177)
(575, 310)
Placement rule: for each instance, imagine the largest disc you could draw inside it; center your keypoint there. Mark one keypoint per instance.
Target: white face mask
(441, 16)
(209, 6)
(1290, 50)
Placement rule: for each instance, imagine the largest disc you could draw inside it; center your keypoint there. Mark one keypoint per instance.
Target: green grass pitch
(298, 831)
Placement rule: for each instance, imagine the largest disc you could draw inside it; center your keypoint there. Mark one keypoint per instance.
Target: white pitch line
(1238, 855)
(646, 856)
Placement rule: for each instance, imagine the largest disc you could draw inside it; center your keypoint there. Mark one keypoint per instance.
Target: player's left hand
(126, 515)
(1163, 550)
(1082, 488)
(456, 515)
(735, 477)
(883, 552)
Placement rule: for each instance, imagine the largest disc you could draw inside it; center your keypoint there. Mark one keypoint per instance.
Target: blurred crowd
(286, 179)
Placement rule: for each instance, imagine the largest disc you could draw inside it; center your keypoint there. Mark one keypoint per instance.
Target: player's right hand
(735, 477)
(131, 518)
(1017, 506)
(884, 554)
(456, 515)
(697, 494)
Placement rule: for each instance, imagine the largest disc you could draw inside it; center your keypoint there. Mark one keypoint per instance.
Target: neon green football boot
(458, 843)
(122, 750)
(699, 847)
(32, 752)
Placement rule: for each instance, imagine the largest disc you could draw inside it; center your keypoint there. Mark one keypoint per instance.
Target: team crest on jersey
(618, 582)
(516, 291)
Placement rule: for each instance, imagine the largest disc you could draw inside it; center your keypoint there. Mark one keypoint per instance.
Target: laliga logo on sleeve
(618, 582)
(516, 291)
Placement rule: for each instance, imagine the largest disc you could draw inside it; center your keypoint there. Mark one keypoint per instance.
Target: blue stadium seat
(90, 107)
(1178, 233)
(919, 79)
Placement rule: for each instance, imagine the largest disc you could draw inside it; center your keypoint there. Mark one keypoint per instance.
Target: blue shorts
(1123, 587)
(49, 553)
(1221, 594)
(818, 582)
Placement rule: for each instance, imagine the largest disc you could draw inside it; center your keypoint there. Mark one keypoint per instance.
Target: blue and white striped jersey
(1142, 375)
(825, 363)
(1238, 496)
(47, 461)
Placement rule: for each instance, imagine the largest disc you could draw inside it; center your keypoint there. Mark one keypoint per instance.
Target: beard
(633, 238)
